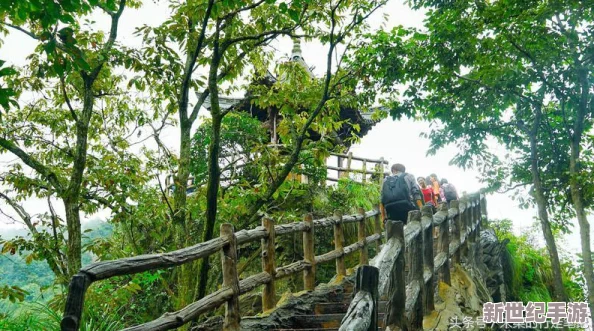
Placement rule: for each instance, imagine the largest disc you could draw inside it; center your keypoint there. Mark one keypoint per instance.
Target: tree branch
(33, 163)
(189, 69)
(104, 202)
(165, 197)
(537, 68)
(230, 42)
(59, 258)
(34, 36)
(246, 8)
(113, 33)
(28, 33)
(21, 212)
(67, 99)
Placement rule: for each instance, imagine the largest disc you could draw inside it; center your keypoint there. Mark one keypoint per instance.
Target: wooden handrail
(210, 302)
(226, 244)
(358, 158)
(413, 244)
(356, 171)
(408, 301)
(376, 168)
(363, 310)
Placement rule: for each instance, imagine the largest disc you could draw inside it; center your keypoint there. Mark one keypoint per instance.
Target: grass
(41, 317)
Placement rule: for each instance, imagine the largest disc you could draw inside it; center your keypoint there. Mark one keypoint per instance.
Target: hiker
(400, 194)
(426, 191)
(435, 186)
(448, 190)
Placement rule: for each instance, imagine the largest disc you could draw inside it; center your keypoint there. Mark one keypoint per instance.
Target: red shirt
(427, 194)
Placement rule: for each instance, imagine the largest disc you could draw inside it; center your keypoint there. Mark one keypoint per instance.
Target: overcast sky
(396, 141)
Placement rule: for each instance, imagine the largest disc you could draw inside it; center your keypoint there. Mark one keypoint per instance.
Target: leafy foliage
(242, 136)
(530, 268)
(7, 94)
(510, 72)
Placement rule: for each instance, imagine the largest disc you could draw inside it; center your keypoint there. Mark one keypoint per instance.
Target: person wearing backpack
(400, 194)
(449, 191)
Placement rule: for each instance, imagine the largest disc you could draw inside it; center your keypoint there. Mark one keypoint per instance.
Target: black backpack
(449, 191)
(395, 193)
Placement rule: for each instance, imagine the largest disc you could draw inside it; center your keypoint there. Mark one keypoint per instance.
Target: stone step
(324, 321)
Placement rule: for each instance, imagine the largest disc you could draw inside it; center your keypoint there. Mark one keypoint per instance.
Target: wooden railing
(192, 184)
(368, 167)
(411, 295)
(232, 287)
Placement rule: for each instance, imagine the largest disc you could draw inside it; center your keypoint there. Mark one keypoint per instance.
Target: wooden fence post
(464, 231)
(361, 236)
(378, 227)
(483, 208)
(416, 272)
(339, 245)
(443, 242)
(380, 170)
(268, 265)
(468, 227)
(75, 302)
(364, 167)
(477, 229)
(470, 238)
(309, 274)
(477, 220)
(339, 162)
(428, 258)
(368, 280)
(230, 279)
(456, 230)
(349, 160)
(397, 287)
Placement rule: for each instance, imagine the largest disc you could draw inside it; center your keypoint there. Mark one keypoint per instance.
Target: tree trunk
(214, 150)
(72, 195)
(184, 277)
(212, 190)
(578, 204)
(541, 203)
(74, 248)
(181, 184)
(575, 184)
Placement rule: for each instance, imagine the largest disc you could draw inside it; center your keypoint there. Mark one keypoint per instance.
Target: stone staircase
(328, 315)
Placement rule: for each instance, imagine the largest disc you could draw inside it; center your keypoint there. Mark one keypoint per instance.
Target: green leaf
(294, 14)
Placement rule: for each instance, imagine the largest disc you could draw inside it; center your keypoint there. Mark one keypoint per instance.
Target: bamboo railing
(411, 295)
(226, 245)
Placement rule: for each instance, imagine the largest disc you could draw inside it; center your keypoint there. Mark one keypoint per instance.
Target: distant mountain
(36, 277)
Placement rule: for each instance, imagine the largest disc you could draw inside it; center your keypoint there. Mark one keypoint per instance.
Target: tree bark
(576, 186)
(72, 195)
(184, 278)
(181, 183)
(73, 248)
(214, 150)
(541, 203)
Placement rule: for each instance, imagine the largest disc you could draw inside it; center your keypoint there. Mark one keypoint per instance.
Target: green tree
(517, 72)
(215, 44)
(73, 131)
